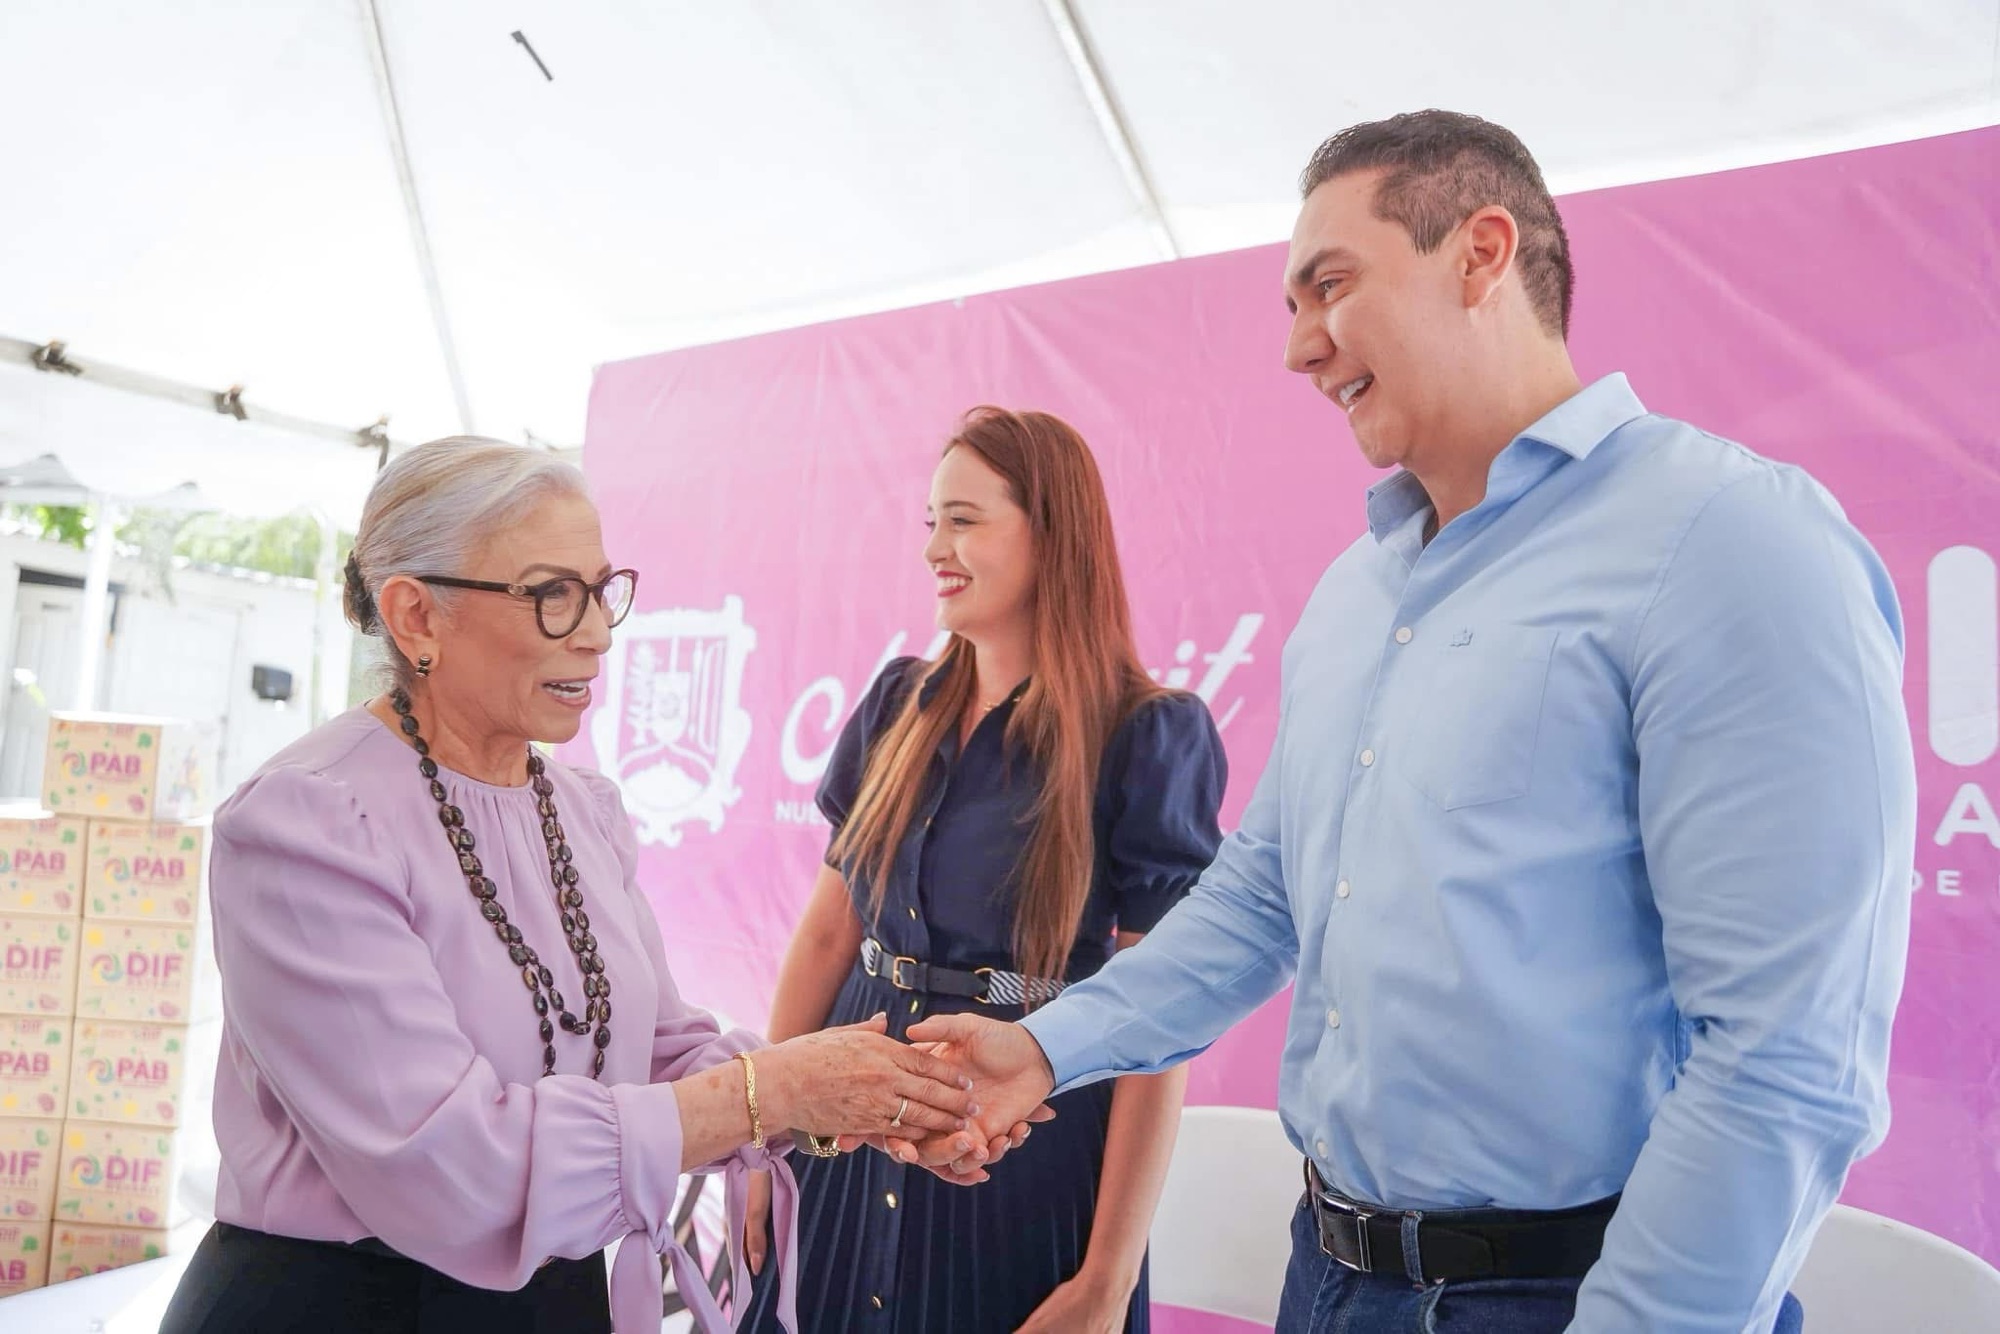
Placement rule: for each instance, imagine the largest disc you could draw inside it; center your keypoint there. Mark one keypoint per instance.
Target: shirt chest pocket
(1479, 715)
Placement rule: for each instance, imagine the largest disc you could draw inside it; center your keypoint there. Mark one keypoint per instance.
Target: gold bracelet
(750, 1097)
(822, 1146)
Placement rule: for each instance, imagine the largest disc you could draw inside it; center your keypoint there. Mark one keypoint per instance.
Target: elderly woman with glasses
(455, 1066)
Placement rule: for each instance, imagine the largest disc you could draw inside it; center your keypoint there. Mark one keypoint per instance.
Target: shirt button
(913, 914)
(1333, 1019)
(890, 1199)
(1343, 889)
(915, 1006)
(1321, 1146)
(876, 1302)
(1403, 635)
(1367, 758)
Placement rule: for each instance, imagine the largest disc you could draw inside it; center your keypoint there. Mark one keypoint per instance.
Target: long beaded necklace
(541, 983)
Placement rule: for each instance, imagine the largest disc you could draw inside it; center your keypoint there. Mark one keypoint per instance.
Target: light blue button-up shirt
(1587, 834)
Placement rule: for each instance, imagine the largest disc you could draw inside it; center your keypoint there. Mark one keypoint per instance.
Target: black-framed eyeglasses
(560, 602)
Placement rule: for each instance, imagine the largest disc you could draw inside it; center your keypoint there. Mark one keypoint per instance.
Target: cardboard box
(139, 973)
(24, 1256)
(112, 766)
(30, 1162)
(145, 871)
(38, 958)
(78, 1250)
(127, 1074)
(117, 1176)
(34, 1066)
(42, 859)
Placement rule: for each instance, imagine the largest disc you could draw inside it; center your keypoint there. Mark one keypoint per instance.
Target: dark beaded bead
(451, 816)
(428, 767)
(569, 875)
(556, 999)
(517, 954)
(548, 1059)
(596, 963)
(597, 1066)
(484, 888)
(409, 725)
(589, 941)
(568, 1022)
(574, 898)
(548, 980)
(437, 789)
(548, 1031)
(603, 1038)
(533, 982)
(569, 924)
(545, 808)
(463, 837)
(541, 1002)
(469, 864)
(548, 829)
(492, 911)
(583, 921)
(604, 1011)
(513, 935)
(421, 746)
(564, 853)
(399, 701)
(500, 930)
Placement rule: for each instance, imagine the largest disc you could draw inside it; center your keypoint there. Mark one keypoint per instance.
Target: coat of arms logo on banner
(673, 728)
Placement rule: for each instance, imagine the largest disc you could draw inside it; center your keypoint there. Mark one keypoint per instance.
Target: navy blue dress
(885, 1247)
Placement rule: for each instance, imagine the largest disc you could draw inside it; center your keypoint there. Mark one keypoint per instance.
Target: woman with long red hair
(1004, 818)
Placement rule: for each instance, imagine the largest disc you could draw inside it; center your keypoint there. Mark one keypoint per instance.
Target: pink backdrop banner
(1841, 313)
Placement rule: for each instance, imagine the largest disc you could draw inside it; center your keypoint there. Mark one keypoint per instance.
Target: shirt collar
(1585, 419)
(1575, 427)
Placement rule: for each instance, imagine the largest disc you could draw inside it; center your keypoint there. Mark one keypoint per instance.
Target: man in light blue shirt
(1586, 837)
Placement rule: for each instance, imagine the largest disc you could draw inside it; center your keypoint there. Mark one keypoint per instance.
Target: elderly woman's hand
(858, 1081)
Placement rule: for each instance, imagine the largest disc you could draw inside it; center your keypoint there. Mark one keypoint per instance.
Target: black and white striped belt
(988, 986)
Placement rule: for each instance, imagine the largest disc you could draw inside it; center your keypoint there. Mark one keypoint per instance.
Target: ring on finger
(897, 1123)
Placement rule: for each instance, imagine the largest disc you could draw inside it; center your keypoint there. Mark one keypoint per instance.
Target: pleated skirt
(885, 1247)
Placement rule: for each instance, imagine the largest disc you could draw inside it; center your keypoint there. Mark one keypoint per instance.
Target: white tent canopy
(359, 207)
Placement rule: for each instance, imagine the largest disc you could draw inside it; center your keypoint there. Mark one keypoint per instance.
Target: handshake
(964, 1092)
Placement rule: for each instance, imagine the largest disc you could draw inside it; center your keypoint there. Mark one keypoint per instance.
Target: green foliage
(68, 524)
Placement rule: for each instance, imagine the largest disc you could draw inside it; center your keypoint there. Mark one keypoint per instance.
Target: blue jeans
(1323, 1296)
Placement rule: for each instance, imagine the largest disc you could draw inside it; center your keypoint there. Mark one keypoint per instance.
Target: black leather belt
(988, 986)
(1458, 1244)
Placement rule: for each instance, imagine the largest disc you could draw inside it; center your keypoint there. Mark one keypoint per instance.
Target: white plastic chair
(1222, 1238)
(1222, 1235)
(1866, 1274)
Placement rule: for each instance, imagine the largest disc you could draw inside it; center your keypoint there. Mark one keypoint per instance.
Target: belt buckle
(896, 972)
(871, 959)
(1365, 1264)
(986, 996)
(1322, 1200)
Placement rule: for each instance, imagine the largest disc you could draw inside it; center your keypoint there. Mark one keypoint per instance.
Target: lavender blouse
(381, 1065)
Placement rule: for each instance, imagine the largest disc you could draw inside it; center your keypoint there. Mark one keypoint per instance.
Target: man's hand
(1010, 1078)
